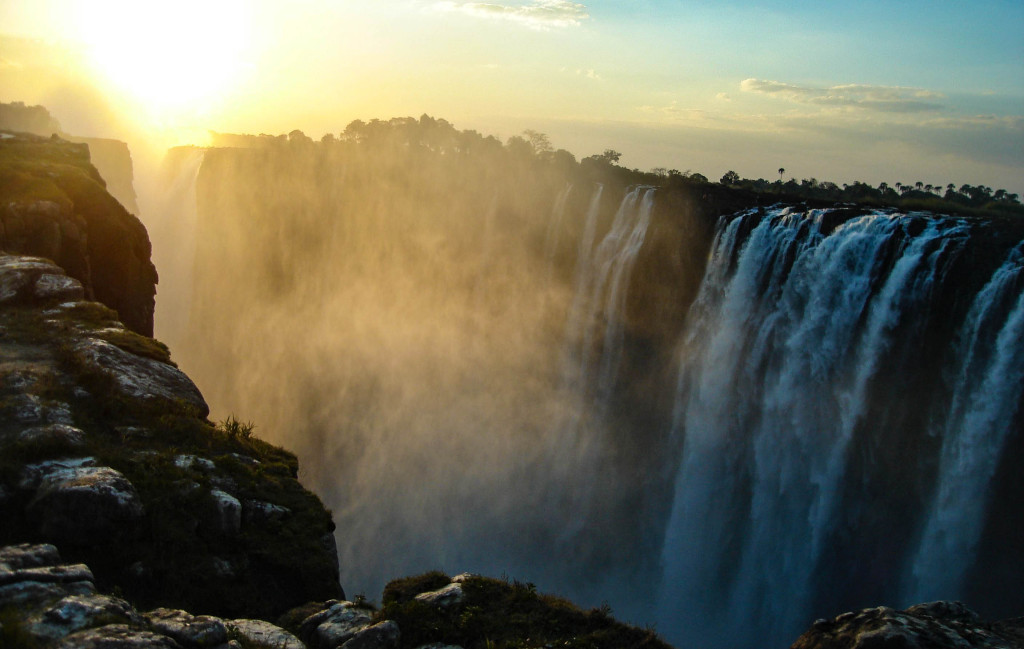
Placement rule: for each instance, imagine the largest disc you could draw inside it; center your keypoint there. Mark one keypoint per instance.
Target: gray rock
(194, 462)
(936, 625)
(78, 612)
(61, 574)
(33, 474)
(83, 504)
(19, 274)
(28, 555)
(51, 286)
(257, 512)
(334, 625)
(188, 630)
(116, 636)
(26, 408)
(31, 594)
(385, 635)
(142, 378)
(264, 634)
(227, 512)
(944, 610)
(451, 596)
(62, 434)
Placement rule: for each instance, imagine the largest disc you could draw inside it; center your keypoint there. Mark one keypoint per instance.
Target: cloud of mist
(399, 322)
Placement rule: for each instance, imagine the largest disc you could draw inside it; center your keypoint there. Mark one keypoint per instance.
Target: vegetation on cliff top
(438, 136)
(499, 614)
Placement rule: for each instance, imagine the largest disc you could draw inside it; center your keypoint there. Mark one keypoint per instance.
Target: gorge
(724, 417)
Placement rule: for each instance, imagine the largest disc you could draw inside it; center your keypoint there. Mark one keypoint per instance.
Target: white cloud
(537, 14)
(887, 99)
(590, 74)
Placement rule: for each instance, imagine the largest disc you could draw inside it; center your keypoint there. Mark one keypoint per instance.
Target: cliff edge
(105, 447)
(54, 204)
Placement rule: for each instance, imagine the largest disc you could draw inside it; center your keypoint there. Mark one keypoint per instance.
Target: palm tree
(782, 170)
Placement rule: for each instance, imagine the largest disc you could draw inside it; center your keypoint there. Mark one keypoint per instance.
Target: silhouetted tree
(730, 178)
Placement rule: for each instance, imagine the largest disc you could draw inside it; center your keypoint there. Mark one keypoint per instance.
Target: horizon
(867, 93)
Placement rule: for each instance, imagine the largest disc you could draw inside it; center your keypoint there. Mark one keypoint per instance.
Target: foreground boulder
(935, 625)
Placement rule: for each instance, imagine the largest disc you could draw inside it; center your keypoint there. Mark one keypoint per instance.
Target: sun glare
(168, 57)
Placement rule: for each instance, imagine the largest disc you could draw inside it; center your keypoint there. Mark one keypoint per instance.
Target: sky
(929, 91)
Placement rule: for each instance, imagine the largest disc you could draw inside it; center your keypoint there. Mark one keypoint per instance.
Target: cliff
(111, 157)
(106, 450)
(55, 205)
(108, 455)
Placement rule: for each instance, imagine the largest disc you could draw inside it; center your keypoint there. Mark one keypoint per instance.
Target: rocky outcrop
(54, 205)
(49, 603)
(94, 419)
(935, 625)
(110, 157)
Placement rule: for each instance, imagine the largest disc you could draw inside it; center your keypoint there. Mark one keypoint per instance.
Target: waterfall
(785, 340)
(599, 302)
(987, 390)
(554, 231)
(581, 277)
(173, 227)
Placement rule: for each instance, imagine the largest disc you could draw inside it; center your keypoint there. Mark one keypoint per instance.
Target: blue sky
(873, 91)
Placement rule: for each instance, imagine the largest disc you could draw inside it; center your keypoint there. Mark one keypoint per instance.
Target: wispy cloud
(887, 99)
(537, 14)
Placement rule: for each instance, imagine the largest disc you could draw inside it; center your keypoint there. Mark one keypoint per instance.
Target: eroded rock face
(157, 384)
(935, 625)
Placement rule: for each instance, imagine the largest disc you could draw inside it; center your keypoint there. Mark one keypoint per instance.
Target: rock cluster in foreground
(935, 625)
(44, 602)
(106, 452)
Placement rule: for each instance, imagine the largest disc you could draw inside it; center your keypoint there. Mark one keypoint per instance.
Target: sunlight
(167, 58)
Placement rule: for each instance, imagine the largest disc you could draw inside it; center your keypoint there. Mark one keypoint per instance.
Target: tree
(782, 170)
(730, 178)
(539, 141)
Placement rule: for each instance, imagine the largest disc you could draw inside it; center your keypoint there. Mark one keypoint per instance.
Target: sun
(166, 56)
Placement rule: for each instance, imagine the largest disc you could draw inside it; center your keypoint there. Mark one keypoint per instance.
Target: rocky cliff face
(54, 205)
(107, 454)
(105, 449)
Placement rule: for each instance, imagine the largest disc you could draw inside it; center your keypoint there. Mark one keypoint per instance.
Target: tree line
(429, 135)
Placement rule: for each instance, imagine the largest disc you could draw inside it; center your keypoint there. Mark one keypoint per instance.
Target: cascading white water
(554, 230)
(987, 390)
(581, 278)
(785, 339)
(605, 277)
